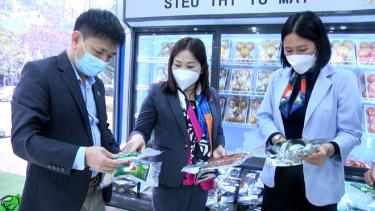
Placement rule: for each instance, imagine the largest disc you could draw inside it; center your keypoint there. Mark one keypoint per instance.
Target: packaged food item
(223, 162)
(269, 51)
(366, 53)
(161, 74)
(370, 79)
(362, 82)
(286, 153)
(364, 188)
(136, 169)
(245, 51)
(165, 49)
(343, 52)
(222, 104)
(370, 118)
(240, 81)
(264, 78)
(254, 106)
(223, 78)
(236, 110)
(355, 163)
(224, 49)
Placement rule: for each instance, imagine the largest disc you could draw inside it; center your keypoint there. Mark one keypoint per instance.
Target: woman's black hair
(309, 26)
(197, 48)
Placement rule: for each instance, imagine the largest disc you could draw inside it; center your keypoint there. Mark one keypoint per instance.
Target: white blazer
(334, 113)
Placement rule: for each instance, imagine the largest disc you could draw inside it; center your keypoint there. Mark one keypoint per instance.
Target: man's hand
(99, 159)
(136, 143)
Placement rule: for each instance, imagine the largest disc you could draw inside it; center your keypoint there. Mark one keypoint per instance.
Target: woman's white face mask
(186, 69)
(300, 52)
(185, 77)
(301, 63)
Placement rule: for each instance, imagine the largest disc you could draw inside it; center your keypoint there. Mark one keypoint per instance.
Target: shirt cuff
(336, 147)
(79, 161)
(269, 140)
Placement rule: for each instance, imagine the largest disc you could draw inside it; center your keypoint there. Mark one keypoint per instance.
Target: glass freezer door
(152, 62)
(246, 65)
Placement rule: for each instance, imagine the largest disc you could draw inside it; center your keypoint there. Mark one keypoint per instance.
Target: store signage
(168, 8)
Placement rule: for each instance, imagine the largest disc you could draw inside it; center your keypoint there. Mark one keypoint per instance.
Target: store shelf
(153, 59)
(248, 62)
(239, 125)
(240, 93)
(142, 87)
(368, 100)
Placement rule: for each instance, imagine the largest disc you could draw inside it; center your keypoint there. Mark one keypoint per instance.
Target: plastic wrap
(287, 153)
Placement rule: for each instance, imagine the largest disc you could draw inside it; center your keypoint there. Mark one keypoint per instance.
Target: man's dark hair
(309, 26)
(100, 24)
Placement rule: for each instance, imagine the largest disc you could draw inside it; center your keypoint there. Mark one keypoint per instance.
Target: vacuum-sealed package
(137, 169)
(287, 153)
(226, 161)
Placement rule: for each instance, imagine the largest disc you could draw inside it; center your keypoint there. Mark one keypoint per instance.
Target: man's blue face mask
(89, 64)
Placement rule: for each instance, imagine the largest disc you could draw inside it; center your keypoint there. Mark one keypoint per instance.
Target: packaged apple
(240, 80)
(263, 79)
(254, 106)
(222, 105)
(136, 168)
(366, 52)
(362, 82)
(223, 78)
(225, 49)
(269, 51)
(343, 52)
(165, 49)
(370, 118)
(245, 51)
(161, 74)
(236, 110)
(370, 80)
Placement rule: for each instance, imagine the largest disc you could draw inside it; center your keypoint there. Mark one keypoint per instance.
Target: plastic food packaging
(137, 169)
(286, 153)
(226, 161)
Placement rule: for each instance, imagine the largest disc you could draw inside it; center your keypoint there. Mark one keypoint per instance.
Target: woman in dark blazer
(184, 113)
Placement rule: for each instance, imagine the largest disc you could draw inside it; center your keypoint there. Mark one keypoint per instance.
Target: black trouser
(289, 192)
(184, 198)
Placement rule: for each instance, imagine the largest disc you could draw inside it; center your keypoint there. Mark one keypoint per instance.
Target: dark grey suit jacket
(162, 113)
(49, 123)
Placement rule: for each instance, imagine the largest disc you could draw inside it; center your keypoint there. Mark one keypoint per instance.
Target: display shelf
(239, 125)
(246, 94)
(153, 59)
(142, 87)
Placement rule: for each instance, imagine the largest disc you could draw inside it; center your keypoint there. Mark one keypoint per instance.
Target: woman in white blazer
(309, 99)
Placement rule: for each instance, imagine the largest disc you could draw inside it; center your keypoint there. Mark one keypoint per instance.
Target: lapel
(174, 103)
(320, 89)
(100, 110)
(213, 109)
(70, 80)
(279, 89)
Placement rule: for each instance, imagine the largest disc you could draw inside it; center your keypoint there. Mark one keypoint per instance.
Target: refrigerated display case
(243, 52)
(151, 65)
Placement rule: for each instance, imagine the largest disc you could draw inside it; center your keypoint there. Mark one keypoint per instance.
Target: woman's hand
(370, 176)
(136, 143)
(318, 158)
(219, 152)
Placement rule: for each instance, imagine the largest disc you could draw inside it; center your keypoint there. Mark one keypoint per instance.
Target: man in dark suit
(59, 121)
